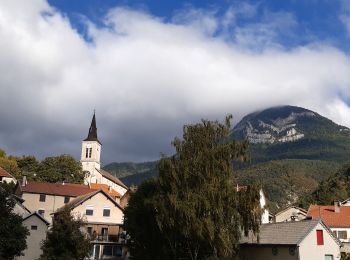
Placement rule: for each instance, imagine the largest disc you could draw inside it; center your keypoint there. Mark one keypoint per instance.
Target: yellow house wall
(50, 205)
(98, 202)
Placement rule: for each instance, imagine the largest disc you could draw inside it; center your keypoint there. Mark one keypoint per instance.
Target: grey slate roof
(283, 233)
(111, 178)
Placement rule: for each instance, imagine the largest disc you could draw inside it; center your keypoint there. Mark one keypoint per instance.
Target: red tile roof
(4, 173)
(329, 216)
(105, 188)
(66, 189)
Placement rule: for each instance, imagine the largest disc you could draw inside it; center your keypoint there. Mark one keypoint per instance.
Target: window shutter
(319, 234)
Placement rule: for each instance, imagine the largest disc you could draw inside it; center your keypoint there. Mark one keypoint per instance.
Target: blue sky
(149, 67)
(316, 20)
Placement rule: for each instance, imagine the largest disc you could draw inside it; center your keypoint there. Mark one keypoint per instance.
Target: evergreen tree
(65, 241)
(12, 233)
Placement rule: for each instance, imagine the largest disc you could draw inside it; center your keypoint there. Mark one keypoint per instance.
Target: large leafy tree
(12, 233)
(140, 222)
(196, 208)
(60, 168)
(65, 241)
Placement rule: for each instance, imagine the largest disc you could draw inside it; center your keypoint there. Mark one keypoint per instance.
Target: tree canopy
(65, 241)
(12, 233)
(193, 203)
(52, 169)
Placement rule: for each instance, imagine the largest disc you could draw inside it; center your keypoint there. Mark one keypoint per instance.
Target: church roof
(92, 135)
(112, 178)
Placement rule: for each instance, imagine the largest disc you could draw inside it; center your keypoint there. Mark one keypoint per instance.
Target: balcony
(107, 238)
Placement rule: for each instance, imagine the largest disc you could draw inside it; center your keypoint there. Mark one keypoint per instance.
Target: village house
(337, 218)
(291, 213)
(297, 240)
(5, 177)
(45, 198)
(104, 218)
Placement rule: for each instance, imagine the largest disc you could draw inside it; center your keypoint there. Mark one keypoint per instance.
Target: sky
(149, 67)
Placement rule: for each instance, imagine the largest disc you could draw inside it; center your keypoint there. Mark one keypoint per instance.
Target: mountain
(132, 173)
(289, 132)
(292, 149)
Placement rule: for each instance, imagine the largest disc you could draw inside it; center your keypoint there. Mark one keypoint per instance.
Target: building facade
(297, 240)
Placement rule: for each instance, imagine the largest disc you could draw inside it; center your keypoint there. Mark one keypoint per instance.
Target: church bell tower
(91, 154)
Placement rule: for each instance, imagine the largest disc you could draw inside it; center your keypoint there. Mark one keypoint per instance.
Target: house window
(328, 257)
(319, 235)
(106, 212)
(66, 200)
(41, 212)
(88, 152)
(89, 211)
(34, 227)
(342, 235)
(42, 197)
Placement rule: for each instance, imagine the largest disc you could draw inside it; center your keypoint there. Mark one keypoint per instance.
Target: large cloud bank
(147, 76)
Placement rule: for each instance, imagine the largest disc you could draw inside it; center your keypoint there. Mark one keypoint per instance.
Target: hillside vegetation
(291, 151)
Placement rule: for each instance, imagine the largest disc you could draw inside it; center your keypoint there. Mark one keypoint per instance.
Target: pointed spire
(92, 135)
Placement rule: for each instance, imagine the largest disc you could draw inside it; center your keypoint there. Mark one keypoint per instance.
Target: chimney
(337, 206)
(62, 182)
(24, 181)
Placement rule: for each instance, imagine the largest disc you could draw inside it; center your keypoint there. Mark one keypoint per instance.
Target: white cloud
(146, 77)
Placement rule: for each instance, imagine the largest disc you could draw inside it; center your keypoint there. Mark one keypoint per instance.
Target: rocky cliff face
(281, 129)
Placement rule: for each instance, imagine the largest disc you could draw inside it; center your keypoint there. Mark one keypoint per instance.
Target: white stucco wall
(309, 249)
(287, 214)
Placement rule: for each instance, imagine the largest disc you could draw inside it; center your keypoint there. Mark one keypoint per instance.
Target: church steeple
(92, 135)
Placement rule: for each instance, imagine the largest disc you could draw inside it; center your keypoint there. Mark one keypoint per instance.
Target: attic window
(89, 211)
(319, 235)
(106, 212)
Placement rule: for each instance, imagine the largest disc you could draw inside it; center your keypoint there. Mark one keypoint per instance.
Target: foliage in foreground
(192, 208)
(12, 233)
(65, 241)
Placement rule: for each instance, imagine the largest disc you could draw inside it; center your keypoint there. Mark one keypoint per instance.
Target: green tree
(140, 222)
(10, 165)
(12, 233)
(65, 241)
(28, 166)
(60, 168)
(198, 204)
(195, 206)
